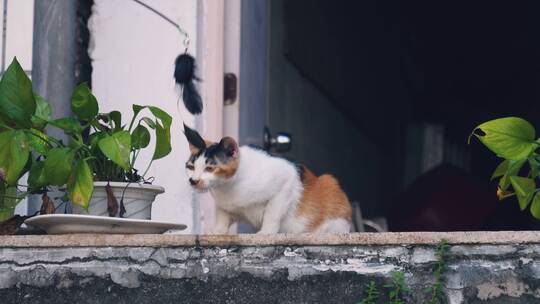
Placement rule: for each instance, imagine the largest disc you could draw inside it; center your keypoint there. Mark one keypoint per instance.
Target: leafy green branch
(436, 293)
(371, 294)
(397, 290)
(514, 140)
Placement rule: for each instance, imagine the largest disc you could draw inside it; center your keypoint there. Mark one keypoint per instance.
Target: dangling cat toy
(184, 70)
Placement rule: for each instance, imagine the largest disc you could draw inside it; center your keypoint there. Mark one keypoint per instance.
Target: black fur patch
(216, 152)
(194, 138)
(211, 161)
(194, 157)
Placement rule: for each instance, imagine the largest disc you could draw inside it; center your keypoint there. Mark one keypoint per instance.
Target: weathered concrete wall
(483, 267)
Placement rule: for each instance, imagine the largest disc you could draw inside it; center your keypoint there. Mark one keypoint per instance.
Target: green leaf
(513, 170)
(163, 142)
(149, 122)
(68, 124)
(116, 117)
(94, 139)
(117, 148)
(140, 138)
(524, 188)
(14, 153)
(17, 103)
(58, 165)
(524, 201)
(83, 103)
(8, 201)
(500, 170)
(509, 138)
(535, 206)
(36, 177)
(38, 141)
(535, 167)
(80, 185)
(165, 118)
(137, 109)
(42, 114)
(163, 131)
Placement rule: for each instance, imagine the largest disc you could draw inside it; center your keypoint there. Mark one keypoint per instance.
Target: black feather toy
(184, 70)
(184, 75)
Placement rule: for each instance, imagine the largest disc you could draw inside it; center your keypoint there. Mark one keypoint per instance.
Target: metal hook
(186, 41)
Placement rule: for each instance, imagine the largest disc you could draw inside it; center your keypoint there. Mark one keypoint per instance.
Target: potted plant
(113, 149)
(95, 166)
(514, 140)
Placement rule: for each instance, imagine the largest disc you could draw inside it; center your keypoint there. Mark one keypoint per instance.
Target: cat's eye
(209, 169)
(190, 167)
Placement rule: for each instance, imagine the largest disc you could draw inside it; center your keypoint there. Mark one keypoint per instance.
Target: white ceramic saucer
(76, 223)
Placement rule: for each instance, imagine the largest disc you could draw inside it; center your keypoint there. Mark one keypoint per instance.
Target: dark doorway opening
(384, 94)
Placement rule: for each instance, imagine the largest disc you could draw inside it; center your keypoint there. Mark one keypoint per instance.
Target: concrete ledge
(483, 267)
(151, 240)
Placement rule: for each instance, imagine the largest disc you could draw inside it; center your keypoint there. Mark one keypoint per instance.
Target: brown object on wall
(47, 205)
(112, 203)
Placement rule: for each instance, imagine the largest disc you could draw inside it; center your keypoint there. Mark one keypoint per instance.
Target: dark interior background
(387, 65)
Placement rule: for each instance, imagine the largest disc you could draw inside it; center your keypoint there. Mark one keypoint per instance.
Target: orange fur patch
(228, 169)
(323, 199)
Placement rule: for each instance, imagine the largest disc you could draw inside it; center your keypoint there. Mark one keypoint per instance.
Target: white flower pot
(138, 199)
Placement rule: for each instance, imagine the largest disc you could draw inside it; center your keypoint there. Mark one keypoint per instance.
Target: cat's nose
(193, 182)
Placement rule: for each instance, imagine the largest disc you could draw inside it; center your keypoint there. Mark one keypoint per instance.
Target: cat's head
(210, 164)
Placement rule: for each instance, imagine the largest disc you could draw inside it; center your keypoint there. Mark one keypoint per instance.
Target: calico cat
(271, 193)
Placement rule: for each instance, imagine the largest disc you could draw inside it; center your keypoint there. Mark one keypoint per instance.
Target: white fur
(264, 191)
(338, 225)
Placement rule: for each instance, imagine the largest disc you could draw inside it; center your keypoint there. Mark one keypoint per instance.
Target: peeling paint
(512, 288)
(423, 255)
(475, 272)
(455, 296)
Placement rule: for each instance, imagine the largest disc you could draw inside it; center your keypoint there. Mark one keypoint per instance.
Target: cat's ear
(230, 147)
(196, 142)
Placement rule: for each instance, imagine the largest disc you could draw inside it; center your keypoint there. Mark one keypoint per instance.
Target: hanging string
(176, 25)
(185, 66)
